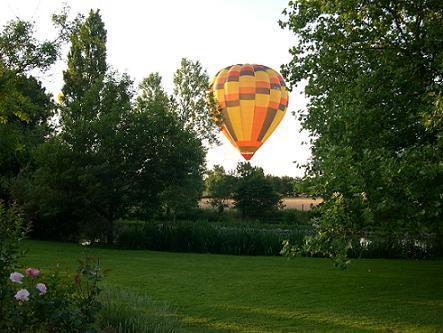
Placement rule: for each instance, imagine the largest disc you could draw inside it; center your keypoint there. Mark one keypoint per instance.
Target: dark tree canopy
(80, 175)
(220, 187)
(254, 195)
(112, 156)
(25, 107)
(168, 157)
(24, 113)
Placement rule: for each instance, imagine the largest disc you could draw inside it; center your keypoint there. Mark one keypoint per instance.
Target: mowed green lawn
(220, 293)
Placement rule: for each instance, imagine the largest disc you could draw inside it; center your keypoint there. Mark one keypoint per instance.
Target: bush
(13, 230)
(52, 303)
(33, 302)
(128, 312)
(254, 196)
(335, 235)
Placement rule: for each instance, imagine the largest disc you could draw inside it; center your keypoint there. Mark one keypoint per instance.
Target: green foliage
(294, 216)
(53, 302)
(191, 103)
(168, 158)
(87, 67)
(151, 93)
(180, 198)
(333, 238)
(254, 195)
(285, 186)
(25, 107)
(13, 230)
(220, 187)
(48, 302)
(109, 157)
(124, 311)
(373, 72)
(112, 157)
(84, 83)
(21, 52)
(80, 174)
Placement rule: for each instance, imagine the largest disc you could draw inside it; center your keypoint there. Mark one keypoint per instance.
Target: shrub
(254, 196)
(124, 311)
(33, 302)
(12, 231)
(52, 303)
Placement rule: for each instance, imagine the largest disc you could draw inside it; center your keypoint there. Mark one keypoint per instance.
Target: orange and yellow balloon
(253, 100)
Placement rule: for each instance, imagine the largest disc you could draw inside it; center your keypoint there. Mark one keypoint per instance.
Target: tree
(285, 185)
(21, 52)
(109, 158)
(168, 158)
(25, 107)
(84, 81)
(373, 72)
(95, 108)
(254, 195)
(220, 187)
(194, 108)
(151, 92)
(81, 171)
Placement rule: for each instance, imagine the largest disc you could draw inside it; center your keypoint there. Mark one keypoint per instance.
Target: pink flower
(32, 272)
(42, 288)
(16, 277)
(22, 295)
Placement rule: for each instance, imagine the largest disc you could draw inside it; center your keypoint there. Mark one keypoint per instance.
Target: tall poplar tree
(82, 178)
(84, 81)
(193, 105)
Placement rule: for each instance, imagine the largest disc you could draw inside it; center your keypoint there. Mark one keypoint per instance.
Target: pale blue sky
(152, 36)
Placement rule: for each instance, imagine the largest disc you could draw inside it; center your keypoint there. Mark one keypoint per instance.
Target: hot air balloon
(253, 100)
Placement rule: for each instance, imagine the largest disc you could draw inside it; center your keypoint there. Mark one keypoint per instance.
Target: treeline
(254, 194)
(103, 150)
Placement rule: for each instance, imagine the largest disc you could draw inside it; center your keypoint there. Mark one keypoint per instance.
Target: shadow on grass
(296, 321)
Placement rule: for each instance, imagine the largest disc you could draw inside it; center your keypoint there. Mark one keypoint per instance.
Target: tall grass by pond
(254, 238)
(204, 237)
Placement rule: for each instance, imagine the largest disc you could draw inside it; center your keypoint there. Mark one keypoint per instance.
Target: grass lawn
(219, 293)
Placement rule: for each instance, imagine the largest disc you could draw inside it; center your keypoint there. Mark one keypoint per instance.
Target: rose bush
(35, 301)
(52, 303)
(38, 302)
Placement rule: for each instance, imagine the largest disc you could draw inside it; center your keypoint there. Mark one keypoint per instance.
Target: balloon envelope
(253, 100)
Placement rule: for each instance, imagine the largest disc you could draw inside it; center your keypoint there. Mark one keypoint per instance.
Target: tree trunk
(110, 233)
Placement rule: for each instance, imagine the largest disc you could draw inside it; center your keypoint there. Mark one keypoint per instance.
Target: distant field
(236, 294)
(289, 203)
